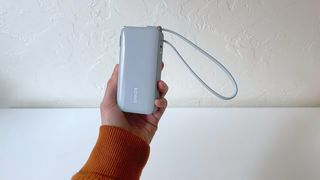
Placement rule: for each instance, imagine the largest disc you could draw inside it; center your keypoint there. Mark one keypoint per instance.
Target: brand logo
(135, 95)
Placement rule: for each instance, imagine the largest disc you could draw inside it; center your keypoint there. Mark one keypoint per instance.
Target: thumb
(110, 96)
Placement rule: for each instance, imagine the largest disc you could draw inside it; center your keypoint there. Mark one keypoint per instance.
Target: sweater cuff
(117, 154)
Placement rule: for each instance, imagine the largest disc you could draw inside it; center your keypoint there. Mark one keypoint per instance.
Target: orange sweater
(118, 154)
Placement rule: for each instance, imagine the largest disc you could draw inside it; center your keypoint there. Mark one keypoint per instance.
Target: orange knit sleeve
(118, 154)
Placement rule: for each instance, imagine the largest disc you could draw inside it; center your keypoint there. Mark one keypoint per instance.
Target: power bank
(139, 68)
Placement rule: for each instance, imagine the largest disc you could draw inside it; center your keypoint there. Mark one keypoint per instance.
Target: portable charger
(140, 61)
(139, 68)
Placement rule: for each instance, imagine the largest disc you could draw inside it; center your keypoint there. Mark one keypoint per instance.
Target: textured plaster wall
(60, 53)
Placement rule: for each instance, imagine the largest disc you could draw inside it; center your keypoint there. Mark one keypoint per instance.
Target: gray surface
(139, 68)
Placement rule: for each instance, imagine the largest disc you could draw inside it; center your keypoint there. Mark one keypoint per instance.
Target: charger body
(139, 68)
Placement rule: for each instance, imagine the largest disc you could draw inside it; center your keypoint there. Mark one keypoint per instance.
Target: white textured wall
(59, 53)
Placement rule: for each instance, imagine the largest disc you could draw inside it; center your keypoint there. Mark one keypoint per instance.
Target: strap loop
(221, 66)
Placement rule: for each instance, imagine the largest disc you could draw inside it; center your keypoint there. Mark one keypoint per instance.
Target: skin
(141, 125)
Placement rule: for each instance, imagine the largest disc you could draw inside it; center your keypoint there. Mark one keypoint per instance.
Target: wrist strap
(221, 66)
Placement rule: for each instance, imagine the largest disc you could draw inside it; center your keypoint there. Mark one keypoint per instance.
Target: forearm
(118, 154)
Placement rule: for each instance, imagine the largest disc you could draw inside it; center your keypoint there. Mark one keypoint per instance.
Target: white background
(60, 53)
(191, 143)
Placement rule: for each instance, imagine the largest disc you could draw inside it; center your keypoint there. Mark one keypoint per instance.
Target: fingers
(162, 88)
(110, 96)
(161, 103)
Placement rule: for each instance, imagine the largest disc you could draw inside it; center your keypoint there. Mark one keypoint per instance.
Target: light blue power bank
(139, 68)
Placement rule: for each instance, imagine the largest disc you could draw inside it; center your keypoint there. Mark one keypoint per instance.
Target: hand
(143, 126)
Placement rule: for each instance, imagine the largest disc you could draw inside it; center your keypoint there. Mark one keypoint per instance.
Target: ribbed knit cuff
(118, 154)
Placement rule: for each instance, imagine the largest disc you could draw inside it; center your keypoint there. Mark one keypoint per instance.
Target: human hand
(141, 125)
